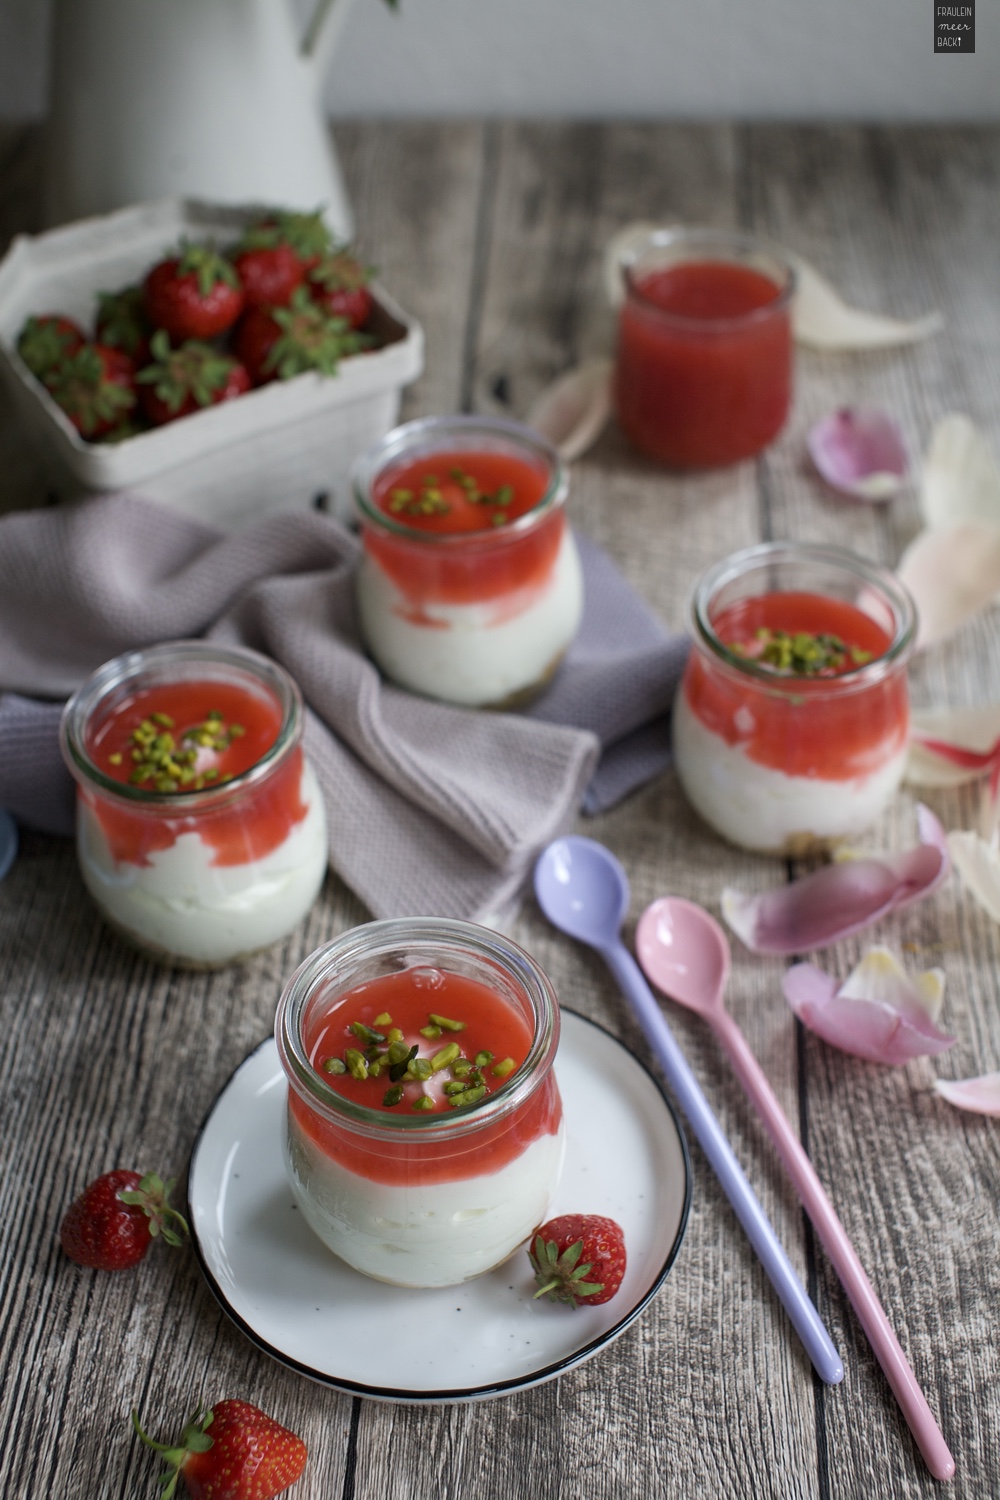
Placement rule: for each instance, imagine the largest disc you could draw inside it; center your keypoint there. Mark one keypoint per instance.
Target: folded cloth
(432, 809)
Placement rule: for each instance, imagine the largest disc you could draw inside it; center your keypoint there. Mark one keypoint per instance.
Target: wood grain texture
(492, 235)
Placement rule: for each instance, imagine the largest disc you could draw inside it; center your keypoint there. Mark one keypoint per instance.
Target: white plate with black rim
(626, 1157)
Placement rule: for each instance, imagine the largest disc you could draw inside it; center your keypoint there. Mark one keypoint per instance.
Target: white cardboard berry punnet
(276, 448)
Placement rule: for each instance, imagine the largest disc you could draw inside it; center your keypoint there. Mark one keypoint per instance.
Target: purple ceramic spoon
(583, 891)
(684, 952)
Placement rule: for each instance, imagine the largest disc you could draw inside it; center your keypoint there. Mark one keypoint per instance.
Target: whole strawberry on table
(204, 327)
(116, 1218)
(231, 1451)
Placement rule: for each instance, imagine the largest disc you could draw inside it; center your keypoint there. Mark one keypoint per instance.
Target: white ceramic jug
(215, 99)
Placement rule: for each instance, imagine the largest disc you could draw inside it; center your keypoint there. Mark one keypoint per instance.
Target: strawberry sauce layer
(411, 999)
(694, 395)
(820, 725)
(475, 496)
(212, 732)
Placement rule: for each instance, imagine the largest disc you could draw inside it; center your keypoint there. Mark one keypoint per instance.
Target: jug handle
(313, 32)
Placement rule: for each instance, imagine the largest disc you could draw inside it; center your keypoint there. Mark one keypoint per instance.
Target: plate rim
(491, 1389)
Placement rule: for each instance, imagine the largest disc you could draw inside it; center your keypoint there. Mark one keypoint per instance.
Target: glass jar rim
(721, 245)
(427, 435)
(130, 668)
(410, 934)
(892, 590)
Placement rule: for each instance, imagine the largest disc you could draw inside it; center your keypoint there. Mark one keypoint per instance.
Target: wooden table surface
(491, 235)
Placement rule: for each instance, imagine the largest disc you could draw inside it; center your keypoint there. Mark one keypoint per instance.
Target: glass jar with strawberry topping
(425, 1129)
(201, 831)
(469, 589)
(792, 719)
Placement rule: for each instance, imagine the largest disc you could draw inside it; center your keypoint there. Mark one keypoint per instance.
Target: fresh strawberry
(193, 295)
(232, 1451)
(339, 282)
(115, 1220)
(306, 234)
(578, 1258)
(269, 272)
(122, 322)
(95, 388)
(183, 380)
(44, 342)
(286, 341)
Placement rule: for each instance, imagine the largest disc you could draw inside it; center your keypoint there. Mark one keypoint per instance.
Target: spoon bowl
(583, 890)
(685, 953)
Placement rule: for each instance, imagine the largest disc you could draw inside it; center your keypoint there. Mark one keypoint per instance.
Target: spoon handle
(805, 1319)
(843, 1256)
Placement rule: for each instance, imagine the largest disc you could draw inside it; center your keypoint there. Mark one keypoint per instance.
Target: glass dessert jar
(792, 719)
(201, 831)
(425, 1128)
(704, 367)
(469, 589)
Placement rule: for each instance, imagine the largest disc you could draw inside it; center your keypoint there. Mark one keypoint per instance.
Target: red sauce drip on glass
(492, 561)
(493, 1024)
(805, 726)
(250, 826)
(703, 392)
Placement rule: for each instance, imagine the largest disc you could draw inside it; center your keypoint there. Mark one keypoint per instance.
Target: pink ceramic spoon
(684, 952)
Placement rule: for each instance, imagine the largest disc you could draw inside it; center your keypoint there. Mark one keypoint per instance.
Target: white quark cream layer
(427, 1234)
(760, 808)
(473, 654)
(184, 906)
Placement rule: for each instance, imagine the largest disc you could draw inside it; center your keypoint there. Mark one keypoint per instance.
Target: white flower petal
(823, 320)
(880, 977)
(573, 411)
(951, 574)
(960, 481)
(980, 1095)
(978, 866)
(976, 729)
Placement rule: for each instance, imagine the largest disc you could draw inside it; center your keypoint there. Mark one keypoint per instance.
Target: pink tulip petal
(888, 1024)
(860, 453)
(839, 899)
(980, 1095)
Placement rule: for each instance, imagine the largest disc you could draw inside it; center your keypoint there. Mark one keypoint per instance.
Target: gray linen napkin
(432, 809)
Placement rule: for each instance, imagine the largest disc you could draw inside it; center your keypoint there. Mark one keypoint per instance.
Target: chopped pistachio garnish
(467, 1096)
(170, 764)
(445, 1057)
(366, 1033)
(387, 1052)
(357, 1064)
(802, 654)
